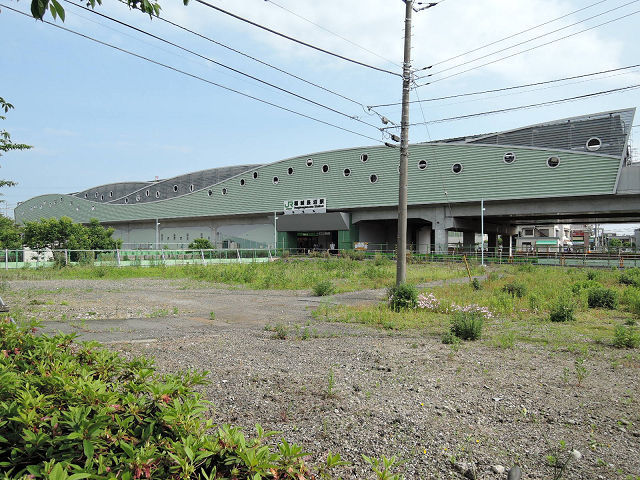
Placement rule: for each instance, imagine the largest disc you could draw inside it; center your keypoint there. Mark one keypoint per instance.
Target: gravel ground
(353, 390)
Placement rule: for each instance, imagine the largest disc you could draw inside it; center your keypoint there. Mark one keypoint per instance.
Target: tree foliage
(64, 234)
(10, 234)
(39, 8)
(201, 244)
(5, 140)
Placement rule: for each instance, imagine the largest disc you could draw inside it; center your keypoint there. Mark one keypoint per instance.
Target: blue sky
(96, 115)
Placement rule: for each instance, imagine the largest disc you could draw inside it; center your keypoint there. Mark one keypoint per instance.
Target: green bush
(630, 277)
(71, 411)
(592, 275)
(515, 289)
(449, 338)
(325, 287)
(200, 244)
(602, 297)
(563, 310)
(467, 325)
(403, 297)
(578, 287)
(475, 284)
(626, 337)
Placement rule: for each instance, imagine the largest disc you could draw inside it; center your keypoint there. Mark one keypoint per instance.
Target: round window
(553, 162)
(422, 164)
(96, 195)
(86, 195)
(225, 191)
(346, 172)
(509, 157)
(242, 182)
(373, 178)
(210, 192)
(111, 194)
(175, 188)
(456, 168)
(364, 157)
(325, 168)
(276, 180)
(191, 187)
(157, 194)
(101, 197)
(137, 198)
(309, 162)
(594, 144)
(126, 200)
(290, 171)
(255, 175)
(147, 193)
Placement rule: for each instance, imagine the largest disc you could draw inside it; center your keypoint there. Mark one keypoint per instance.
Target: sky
(97, 115)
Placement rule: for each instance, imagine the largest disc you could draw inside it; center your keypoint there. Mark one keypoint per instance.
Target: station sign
(306, 205)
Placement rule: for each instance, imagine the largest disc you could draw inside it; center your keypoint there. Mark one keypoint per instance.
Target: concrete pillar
(492, 243)
(441, 240)
(468, 241)
(424, 240)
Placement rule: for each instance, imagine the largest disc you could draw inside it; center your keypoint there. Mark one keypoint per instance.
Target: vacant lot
(355, 379)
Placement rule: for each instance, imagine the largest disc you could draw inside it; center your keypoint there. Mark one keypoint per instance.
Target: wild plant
(602, 297)
(467, 325)
(402, 297)
(626, 336)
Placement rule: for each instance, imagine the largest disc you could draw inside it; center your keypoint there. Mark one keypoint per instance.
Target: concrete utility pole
(401, 262)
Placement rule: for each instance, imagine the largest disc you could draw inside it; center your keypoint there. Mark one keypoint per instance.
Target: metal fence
(13, 259)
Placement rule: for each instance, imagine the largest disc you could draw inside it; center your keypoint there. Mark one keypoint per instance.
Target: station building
(565, 170)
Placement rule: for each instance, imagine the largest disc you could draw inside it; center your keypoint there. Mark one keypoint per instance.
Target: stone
(499, 469)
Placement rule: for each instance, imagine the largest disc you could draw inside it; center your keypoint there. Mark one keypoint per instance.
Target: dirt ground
(350, 389)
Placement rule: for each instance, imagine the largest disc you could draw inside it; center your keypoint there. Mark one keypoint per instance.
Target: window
(242, 182)
(210, 192)
(594, 144)
(364, 157)
(422, 164)
(101, 197)
(137, 198)
(126, 200)
(553, 162)
(456, 168)
(346, 172)
(147, 193)
(191, 190)
(290, 170)
(110, 194)
(276, 180)
(325, 168)
(187, 236)
(255, 175)
(225, 191)
(96, 195)
(175, 188)
(373, 178)
(528, 231)
(309, 162)
(509, 157)
(157, 194)
(86, 195)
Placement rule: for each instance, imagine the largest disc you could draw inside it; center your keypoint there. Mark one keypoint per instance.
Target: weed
(592, 275)
(212, 315)
(323, 288)
(175, 310)
(162, 312)
(403, 297)
(506, 340)
(630, 277)
(602, 297)
(450, 338)
(280, 331)
(515, 289)
(475, 284)
(625, 336)
(580, 370)
(563, 310)
(382, 467)
(331, 383)
(467, 325)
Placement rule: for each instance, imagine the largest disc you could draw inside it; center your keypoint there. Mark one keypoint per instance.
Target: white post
(157, 236)
(6, 259)
(510, 246)
(275, 233)
(202, 255)
(482, 231)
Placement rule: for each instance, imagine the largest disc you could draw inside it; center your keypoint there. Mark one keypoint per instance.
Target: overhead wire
(530, 40)
(262, 62)
(220, 64)
(188, 74)
(514, 87)
(524, 107)
(511, 36)
(531, 48)
(300, 42)
(333, 33)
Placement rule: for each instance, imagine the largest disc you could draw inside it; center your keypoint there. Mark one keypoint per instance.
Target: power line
(532, 39)
(235, 70)
(262, 62)
(169, 67)
(530, 49)
(523, 107)
(246, 20)
(333, 33)
(514, 87)
(512, 36)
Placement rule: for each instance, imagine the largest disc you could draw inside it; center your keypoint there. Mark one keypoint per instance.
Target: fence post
(66, 257)
(238, 253)
(202, 255)
(117, 257)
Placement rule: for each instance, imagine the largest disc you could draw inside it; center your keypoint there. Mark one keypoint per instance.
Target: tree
(201, 244)
(64, 234)
(39, 8)
(10, 234)
(5, 141)
(100, 237)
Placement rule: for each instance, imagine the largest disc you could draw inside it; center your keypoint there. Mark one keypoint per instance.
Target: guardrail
(13, 259)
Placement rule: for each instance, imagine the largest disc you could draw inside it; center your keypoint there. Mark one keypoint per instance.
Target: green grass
(345, 274)
(516, 320)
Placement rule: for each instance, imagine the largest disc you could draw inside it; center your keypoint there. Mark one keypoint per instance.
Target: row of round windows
(147, 193)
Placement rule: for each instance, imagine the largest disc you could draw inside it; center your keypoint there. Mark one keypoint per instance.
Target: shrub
(323, 288)
(592, 275)
(200, 244)
(467, 325)
(563, 310)
(626, 337)
(475, 284)
(449, 338)
(578, 287)
(403, 297)
(602, 297)
(515, 289)
(79, 411)
(630, 277)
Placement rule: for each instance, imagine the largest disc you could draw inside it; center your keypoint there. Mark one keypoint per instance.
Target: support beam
(424, 240)
(442, 240)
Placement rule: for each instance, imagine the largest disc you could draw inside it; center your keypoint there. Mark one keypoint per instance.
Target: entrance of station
(317, 240)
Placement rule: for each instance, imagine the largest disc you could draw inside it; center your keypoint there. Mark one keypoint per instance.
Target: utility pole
(401, 261)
